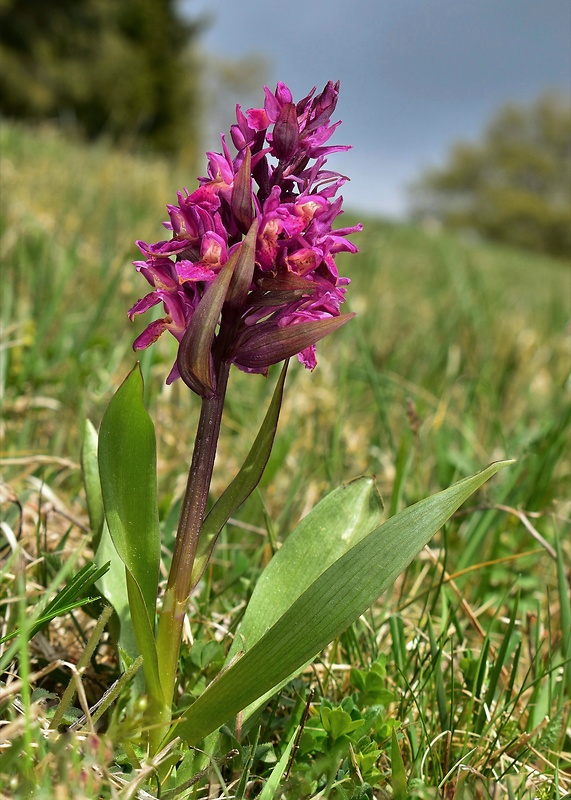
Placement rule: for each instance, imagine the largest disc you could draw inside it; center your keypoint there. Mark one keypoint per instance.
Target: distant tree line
(512, 186)
(123, 68)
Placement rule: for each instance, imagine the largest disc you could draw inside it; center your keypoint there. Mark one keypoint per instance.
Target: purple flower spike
(278, 182)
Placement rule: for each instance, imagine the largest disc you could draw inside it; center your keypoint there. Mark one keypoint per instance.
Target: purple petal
(307, 357)
(258, 119)
(191, 271)
(143, 305)
(174, 374)
(150, 335)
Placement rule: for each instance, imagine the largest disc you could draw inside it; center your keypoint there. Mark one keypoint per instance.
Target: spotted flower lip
(276, 191)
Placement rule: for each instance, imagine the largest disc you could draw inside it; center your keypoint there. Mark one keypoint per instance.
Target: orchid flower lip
(290, 281)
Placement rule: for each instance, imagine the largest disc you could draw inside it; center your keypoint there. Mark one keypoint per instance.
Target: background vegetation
(127, 70)
(458, 356)
(134, 73)
(513, 185)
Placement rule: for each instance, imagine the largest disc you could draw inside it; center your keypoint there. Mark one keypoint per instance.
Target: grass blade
(398, 775)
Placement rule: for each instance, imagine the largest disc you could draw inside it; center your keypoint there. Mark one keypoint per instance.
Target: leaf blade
(127, 467)
(346, 515)
(327, 607)
(91, 482)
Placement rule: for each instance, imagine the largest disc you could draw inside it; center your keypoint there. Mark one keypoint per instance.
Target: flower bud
(242, 209)
(286, 133)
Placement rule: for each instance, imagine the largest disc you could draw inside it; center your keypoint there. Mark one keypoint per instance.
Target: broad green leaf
(144, 635)
(90, 472)
(339, 521)
(243, 484)
(326, 608)
(336, 523)
(112, 584)
(113, 587)
(127, 467)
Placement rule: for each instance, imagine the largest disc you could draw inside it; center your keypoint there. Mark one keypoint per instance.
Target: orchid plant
(247, 277)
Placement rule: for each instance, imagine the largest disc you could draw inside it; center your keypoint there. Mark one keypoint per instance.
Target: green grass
(459, 355)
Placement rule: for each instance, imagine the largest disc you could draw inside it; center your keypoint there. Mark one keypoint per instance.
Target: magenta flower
(277, 187)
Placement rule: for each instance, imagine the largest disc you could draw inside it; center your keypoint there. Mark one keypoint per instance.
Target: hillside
(458, 356)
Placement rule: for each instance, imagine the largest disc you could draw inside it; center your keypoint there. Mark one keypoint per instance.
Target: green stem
(179, 584)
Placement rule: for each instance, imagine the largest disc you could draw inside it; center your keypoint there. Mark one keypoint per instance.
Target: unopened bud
(242, 194)
(286, 133)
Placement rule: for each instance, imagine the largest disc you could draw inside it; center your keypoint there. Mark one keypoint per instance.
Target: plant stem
(179, 586)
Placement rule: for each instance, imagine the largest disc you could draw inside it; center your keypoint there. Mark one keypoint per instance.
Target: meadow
(458, 356)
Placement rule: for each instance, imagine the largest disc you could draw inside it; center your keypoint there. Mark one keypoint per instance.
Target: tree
(514, 186)
(119, 68)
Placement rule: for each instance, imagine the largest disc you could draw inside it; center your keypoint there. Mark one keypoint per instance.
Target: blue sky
(416, 75)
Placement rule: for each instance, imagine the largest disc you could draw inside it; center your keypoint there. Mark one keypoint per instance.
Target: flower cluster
(277, 182)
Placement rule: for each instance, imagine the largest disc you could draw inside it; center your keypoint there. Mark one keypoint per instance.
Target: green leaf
(144, 634)
(338, 722)
(127, 467)
(398, 775)
(336, 523)
(112, 584)
(243, 484)
(113, 587)
(90, 472)
(371, 684)
(565, 606)
(339, 521)
(326, 608)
